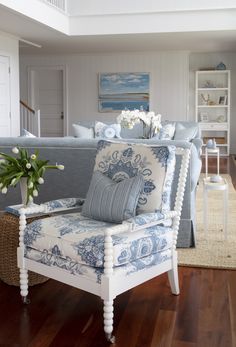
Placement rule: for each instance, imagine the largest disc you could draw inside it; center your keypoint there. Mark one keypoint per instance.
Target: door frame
(9, 91)
(63, 68)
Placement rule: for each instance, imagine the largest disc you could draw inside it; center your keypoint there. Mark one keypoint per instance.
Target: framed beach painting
(120, 91)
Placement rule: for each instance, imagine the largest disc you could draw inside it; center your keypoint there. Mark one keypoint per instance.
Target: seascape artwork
(120, 91)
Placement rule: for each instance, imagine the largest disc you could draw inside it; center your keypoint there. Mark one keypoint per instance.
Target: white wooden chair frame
(111, 285)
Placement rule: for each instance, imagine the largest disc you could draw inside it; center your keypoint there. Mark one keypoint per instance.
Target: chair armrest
(66, 204)
(146, 220)
(53, 206)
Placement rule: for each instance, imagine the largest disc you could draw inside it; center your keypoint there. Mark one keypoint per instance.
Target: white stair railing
(29, 119)
(59, 4)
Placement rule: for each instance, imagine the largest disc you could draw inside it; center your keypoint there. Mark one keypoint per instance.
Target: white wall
(168, 87)
(9, 46)
(201, 60)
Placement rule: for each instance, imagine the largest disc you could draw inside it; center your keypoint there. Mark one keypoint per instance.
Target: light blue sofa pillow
(185, 133)
(83, 132)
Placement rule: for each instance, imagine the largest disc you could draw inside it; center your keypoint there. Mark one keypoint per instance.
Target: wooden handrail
(26, 106)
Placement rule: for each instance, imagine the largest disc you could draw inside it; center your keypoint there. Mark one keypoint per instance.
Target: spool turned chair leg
(108, 320)
(24, 285)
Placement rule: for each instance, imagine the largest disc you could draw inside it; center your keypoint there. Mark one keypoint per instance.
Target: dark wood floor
(203, 315)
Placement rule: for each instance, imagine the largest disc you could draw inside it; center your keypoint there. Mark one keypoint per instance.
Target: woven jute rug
(213, 251)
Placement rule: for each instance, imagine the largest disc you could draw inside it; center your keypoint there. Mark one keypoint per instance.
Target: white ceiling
(54, 42)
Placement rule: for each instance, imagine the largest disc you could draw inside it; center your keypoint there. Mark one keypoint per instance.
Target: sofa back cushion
(155, 163)
(185, 133)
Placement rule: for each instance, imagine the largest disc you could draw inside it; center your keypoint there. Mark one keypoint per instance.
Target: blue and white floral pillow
(167, 132)
(155, 163)
(107, 131)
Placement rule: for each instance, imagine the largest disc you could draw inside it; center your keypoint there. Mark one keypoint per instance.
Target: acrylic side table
(215, 152)
(219, 186)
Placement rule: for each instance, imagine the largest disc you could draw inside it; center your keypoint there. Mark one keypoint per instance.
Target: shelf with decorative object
(212, 107)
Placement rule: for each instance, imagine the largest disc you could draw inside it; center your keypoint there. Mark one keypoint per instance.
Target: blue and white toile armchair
(107, 248)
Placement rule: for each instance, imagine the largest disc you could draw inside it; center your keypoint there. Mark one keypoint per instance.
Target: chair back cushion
(155, 163)
(112, 201)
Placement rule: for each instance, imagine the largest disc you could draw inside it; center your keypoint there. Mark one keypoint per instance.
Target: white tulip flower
(33, 156)
(4, 190)
(30, 198)
(60, 167)
(30, 185)
(15, 150)
(41, 180)
(13, 181)
(1, 185)
(28, 166)
(35, 192)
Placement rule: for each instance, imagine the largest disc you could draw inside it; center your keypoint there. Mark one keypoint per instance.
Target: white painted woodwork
(30, 121)
(220, 79)
(59, 4)
(201, 60)
(169, 81)
(5, 116)
(101, 7)
(111, 285)
(38, 11)
(9, 48)
(47, 96)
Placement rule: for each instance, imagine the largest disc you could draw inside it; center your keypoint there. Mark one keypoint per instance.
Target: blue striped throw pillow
(110, 201)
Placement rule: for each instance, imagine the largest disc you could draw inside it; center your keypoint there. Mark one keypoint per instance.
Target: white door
(5, 120)
(47, 95)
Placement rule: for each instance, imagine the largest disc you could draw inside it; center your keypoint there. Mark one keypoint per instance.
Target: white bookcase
(212, 104)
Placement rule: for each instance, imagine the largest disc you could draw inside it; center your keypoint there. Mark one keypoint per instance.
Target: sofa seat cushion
(82, 240)
(155, 163)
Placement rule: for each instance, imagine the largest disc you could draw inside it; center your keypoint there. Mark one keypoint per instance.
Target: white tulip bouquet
(13, 169)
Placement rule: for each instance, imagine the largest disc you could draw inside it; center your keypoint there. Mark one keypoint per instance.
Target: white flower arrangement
(12, 169)
(128, 119)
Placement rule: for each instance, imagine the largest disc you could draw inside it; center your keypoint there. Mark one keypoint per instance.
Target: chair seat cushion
(82, 240)
(66, 264)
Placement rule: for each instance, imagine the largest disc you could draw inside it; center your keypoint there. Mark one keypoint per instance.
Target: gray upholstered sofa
(78, 157)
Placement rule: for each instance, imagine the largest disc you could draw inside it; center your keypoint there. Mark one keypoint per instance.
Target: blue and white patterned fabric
(61, 204)
(75, 268)
(107, 131)
(155, 163)
(144, 218)
(82, 240)
(166, 132)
